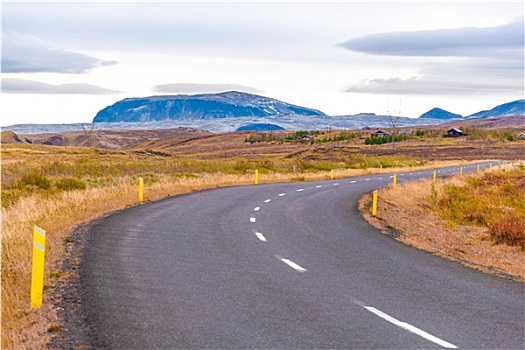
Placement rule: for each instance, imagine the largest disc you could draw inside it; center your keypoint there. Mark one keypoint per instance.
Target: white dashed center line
(318, 186)
(411, 328)
(367, 179)
(260, 236)
(336, 184)
(353, 182)
(267, 201)
(300, 190)
(256, 208)
(282, 194)
(252, 219)
(293, 265)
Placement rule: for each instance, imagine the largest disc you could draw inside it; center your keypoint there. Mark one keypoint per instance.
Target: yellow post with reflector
(412, 168)
(434, 177)
(332, 174)
(141, 189)
(394, 183)
(374, 203)
(381, 169)
(461, 171)
(37, 275)
(256, 176)
(478, 169)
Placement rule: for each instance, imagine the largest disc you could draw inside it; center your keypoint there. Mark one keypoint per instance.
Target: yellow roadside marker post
(394, 179)
(37, 275)
(412, 168)
(141, 189)
(461, 171)
(332, 174)
(256, 176)
(478, 169)
(381, 169)
(374, 203)
(434, 177)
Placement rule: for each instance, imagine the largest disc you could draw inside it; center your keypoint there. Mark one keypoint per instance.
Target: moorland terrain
(62, 180)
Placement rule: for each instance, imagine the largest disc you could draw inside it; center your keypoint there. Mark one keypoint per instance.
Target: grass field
(58, 188)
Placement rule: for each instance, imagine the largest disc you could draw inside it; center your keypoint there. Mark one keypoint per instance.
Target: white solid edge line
(256, 208)
(267, 201)
(294, 265)
(252, 219)
(410, 328)
(260, 236)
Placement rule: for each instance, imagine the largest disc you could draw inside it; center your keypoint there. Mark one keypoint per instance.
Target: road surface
(284, 266)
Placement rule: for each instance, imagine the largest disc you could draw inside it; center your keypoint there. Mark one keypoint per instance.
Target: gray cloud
(465, 42)
(180, 88)
(23, 86)
(433, 86)
(28, 54)
(465, 61)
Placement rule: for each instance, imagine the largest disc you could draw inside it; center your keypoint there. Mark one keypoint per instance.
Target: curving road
(278, 266)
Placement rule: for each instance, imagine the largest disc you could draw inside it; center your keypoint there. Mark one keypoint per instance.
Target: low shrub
(34, 179)
(69, 184)
(509, 230)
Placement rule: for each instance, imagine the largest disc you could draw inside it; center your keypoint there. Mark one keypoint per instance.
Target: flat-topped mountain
(204, 106)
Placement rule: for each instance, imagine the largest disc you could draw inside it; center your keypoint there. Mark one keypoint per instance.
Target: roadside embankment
(477, 220)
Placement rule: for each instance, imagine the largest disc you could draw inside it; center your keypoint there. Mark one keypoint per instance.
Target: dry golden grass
(468, 244)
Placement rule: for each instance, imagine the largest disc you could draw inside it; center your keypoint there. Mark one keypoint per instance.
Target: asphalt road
(283, 266)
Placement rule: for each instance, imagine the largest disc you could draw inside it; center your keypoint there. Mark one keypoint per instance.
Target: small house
(521, 136)
(380, 133)
(454, 132)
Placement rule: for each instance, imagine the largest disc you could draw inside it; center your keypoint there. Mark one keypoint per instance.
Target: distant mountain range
(235, 111)
(515, 108)
(204, 106)
(235, 104)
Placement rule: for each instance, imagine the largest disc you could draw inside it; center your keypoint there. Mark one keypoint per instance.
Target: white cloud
(23, 53)
(23, 86)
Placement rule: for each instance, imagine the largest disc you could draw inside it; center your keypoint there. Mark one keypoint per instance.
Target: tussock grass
(464, 218)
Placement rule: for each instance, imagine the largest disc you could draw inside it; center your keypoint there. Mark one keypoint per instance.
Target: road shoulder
(404, 216)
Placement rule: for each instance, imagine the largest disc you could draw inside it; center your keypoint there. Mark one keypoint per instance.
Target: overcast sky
(64, 61)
